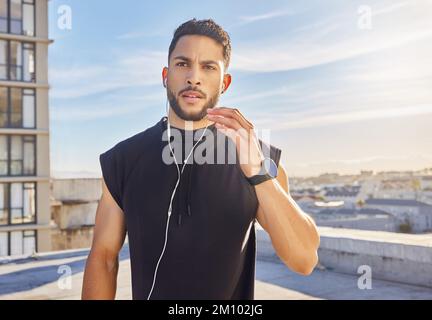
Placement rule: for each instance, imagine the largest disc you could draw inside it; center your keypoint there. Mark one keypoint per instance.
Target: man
(208, 250)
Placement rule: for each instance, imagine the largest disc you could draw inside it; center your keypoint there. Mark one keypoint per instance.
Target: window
(17, 17)
(28, 109)
(28, 62)
(4, 102)
(3, 59)
(4, 204)
(17, 61)
(3, 155)
(17, 108)
(17, 243)
(22, 242)
(16, 104)
(17, 203)
(3, 15)
(28, 18)
(4, 244)
(29, 150)
(23, 209)
(17, 155)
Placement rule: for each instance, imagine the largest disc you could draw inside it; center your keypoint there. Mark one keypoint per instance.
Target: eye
(180, 63)
(210, 67)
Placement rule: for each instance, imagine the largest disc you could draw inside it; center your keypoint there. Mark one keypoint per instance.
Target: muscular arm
(293, 233)
(100, 275)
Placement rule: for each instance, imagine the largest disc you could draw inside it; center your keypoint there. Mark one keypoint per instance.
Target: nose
(193, 77)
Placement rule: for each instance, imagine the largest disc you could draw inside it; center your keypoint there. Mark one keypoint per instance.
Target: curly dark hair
(207, 28)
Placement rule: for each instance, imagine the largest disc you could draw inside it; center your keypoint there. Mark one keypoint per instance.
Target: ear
(164, 76)
(226, 82)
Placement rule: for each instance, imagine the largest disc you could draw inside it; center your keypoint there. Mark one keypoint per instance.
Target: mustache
(193, 89)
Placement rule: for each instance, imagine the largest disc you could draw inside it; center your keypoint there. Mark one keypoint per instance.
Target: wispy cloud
(341, 40)
(105, 110)
(299, 120)
(138, 34)
(265, 16)
(246, 20)
(138, 69)
(285, 57)
(394, 7)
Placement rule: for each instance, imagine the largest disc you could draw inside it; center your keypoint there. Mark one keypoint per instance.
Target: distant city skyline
(337, 97)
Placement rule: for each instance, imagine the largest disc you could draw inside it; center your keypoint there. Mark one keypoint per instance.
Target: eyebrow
(202, 62)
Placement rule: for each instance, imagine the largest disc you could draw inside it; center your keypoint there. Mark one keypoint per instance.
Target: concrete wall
(386, 223)
(420, 218)
(75, 216)
(83, 189)
(396, 257)
(72, 239)
(75, 202)
(42, 122)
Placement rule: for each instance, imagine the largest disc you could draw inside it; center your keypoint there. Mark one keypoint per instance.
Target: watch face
(270, 167)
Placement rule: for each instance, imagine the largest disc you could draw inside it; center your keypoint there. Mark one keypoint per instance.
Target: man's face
(196, 64)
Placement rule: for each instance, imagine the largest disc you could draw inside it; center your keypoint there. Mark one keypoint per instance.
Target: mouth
(191, 97)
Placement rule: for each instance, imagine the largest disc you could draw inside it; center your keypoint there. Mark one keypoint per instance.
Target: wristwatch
(268, 171)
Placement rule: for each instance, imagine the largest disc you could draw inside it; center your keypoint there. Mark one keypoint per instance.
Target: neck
(176, 121)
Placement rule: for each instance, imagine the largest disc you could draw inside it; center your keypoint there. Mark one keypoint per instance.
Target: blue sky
(337, 96)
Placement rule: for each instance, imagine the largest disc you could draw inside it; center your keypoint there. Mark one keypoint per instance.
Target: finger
(232, 113)
(227, 122)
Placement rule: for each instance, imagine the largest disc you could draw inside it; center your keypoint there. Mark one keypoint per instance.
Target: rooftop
(396, 202)
(38, 277)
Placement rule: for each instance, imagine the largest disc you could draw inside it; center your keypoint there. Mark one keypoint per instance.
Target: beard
(196, 116)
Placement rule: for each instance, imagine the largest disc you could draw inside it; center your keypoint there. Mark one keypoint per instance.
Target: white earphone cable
(173, 193)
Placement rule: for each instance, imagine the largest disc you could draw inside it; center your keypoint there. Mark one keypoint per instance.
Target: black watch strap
(268, 171)
(259, 178)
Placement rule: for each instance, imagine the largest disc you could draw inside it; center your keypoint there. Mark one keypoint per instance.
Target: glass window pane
(28, 111)
(15, 48)
(16, 202)
(29, 245)
(16, 148)
(16, 17)
(28, 19)
(3, 216)
(3, 59)
(16, 189)
(16, 243)
(3, 15)
(15, 60)
(4, 244)
(29, 66)
(3, 106)
(29, 203)
(29, 158)
(4, 206)
(3, 155)
(16, 215)
(16, 155)
(16, 112)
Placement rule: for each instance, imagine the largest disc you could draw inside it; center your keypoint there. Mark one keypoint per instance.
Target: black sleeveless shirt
(211, 247)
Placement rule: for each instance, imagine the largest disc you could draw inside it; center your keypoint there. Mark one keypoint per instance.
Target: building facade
(24, 128)
(416, 213)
